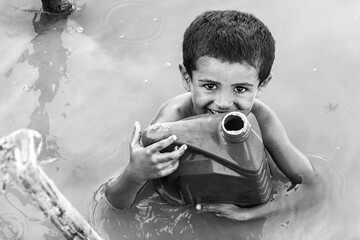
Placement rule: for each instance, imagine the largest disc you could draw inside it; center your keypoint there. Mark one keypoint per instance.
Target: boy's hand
(148, 163)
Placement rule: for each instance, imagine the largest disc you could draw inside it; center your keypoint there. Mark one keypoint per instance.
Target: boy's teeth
(214, 112)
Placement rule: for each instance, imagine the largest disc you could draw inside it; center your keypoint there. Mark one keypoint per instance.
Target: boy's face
(218, 87)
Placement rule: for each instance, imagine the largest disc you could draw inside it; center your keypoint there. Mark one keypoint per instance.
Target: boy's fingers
(164, 165)
(136, 134)
(169, 168)
(169, 156)
(158, 146)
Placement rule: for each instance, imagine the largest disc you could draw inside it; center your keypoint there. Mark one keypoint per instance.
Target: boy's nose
(224, 101)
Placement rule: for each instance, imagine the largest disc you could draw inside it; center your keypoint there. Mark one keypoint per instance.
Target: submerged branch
(19, 152)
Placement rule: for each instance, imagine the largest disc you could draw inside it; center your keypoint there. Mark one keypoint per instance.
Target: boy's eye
(210, 86)
(239, 89)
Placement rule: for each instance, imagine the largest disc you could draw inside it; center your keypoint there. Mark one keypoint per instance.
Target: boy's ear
(185, 77)
(262, 86)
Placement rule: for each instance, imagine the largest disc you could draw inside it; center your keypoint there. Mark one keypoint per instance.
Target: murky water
(83, 81)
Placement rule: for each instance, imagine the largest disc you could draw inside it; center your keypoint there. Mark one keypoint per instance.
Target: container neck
(235, 127)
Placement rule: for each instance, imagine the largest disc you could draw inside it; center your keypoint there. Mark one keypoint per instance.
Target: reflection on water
(153, 218)
(300, 215)
(150, 219)
(49, 57)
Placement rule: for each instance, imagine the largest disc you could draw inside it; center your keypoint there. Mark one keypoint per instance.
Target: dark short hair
(230, 36)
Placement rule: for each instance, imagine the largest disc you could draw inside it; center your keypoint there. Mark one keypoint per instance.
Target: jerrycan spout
(235, 127)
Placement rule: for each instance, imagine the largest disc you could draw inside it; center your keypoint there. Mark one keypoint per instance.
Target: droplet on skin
(26, 88)
(79, 29)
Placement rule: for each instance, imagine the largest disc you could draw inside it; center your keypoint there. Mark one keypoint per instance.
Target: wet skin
(214, 87)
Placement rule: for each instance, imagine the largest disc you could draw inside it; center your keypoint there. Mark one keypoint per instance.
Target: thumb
(135, 141)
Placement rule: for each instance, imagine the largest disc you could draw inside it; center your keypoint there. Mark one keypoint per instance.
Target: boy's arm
(148, 163)
(145, 163)
(293, 163)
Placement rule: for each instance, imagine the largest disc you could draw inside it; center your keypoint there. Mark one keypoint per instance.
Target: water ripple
(132, 22)
(337, 179)
(13, 227)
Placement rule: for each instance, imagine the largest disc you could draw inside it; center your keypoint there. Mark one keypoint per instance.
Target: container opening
(233, 123)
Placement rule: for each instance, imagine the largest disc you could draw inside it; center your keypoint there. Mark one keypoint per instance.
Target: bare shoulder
(175, 109)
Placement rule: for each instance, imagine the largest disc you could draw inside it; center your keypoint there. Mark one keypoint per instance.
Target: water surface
(83, 81)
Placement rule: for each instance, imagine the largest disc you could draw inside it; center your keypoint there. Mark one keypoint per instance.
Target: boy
(227, 60)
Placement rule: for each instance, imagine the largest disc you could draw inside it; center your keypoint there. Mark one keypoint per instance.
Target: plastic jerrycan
(225, 161)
